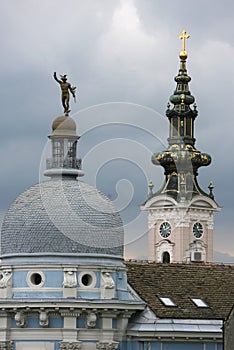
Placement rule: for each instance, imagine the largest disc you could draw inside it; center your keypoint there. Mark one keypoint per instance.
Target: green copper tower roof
(181, 159)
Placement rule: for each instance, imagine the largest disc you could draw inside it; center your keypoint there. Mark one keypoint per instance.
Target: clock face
(165, 229)
(197, 229)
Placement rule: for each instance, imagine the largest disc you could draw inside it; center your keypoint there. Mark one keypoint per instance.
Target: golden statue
(65, 87)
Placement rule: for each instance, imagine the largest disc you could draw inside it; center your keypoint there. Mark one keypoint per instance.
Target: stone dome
(64, 216)
(64, 126)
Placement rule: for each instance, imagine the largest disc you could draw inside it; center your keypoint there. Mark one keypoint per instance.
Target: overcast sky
(122, 56)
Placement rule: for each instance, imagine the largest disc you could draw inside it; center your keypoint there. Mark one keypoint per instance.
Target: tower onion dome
(62, 216)
(181, 159)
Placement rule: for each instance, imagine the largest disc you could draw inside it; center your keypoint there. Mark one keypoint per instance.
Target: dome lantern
(64, 139)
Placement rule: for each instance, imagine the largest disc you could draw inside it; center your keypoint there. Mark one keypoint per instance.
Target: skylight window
(199, 302)
(167, 301)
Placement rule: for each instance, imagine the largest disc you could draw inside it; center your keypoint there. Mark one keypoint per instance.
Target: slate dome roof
(62, 215)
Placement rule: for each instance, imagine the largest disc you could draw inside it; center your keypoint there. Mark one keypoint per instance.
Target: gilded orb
(183, 55)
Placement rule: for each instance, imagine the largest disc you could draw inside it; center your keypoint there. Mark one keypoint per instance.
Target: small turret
(64, 143)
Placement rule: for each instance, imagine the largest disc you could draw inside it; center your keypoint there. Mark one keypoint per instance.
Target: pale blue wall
(54, 279)
(39, 294)
(33, 322)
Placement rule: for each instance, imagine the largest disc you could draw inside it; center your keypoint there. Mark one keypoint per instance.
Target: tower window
(58, 152)
(189, 126)
(179, 87)
(175, 127)
(166, 258)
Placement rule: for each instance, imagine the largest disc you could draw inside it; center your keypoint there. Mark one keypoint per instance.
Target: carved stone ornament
(5, 277)
(107, 286)
(70, 345)
(6, 345)
(91, 320)
(108, 282)
(43, 319)
(111, 345)
(70, 280)
(20, 319)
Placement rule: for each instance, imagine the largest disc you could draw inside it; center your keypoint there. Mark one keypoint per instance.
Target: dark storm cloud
(116, 51)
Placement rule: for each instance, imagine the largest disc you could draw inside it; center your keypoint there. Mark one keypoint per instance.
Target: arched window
(166, 258)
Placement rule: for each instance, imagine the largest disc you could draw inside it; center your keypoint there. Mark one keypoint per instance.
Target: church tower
(181, 214)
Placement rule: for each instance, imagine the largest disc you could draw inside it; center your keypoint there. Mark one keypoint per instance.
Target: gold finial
(183, 37)
(211, 187)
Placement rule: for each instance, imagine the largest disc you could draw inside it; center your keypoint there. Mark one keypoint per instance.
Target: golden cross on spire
(184, 36)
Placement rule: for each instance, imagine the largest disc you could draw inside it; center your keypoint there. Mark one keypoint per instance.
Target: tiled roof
(62, 216)
(214, 284)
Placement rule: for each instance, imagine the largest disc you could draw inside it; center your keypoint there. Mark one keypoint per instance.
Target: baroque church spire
(181, 215)
(181, 159)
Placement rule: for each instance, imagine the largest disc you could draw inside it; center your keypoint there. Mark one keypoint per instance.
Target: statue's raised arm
(65, 87)
(55, 77)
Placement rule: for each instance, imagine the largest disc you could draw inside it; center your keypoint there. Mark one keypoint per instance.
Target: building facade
(64, 283)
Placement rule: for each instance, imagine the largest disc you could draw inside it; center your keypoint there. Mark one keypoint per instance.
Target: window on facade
(167, 301)
(36, 279)
(199, 302)
(86, 280)
(166, 258)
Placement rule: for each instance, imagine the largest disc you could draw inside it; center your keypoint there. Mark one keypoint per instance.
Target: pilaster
(69, 326)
